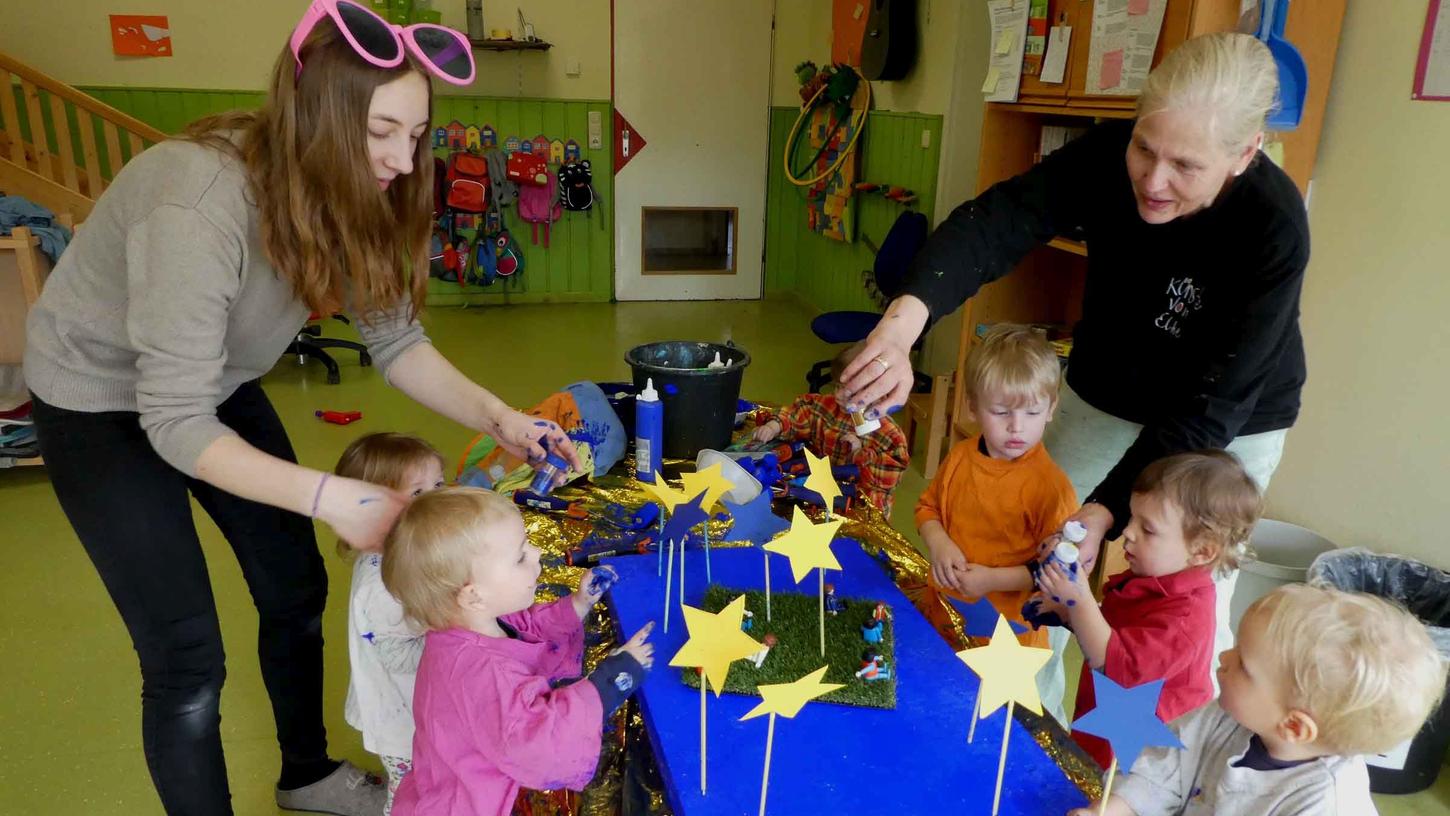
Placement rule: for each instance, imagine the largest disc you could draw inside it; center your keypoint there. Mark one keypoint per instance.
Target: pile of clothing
(17, 436)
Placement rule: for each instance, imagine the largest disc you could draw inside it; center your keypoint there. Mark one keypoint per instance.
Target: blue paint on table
(831, 759)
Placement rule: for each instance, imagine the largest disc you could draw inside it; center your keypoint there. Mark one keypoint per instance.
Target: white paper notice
(1009, 31)
(1054, 63)
(1120, 50)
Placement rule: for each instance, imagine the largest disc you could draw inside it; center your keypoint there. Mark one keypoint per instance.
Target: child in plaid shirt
(828, 430)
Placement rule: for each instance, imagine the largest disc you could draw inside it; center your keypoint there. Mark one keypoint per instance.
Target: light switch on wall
(596, 130)
(925, 138)
(571, 66)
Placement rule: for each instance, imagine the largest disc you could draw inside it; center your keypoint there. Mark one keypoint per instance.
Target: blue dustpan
(1293, 74)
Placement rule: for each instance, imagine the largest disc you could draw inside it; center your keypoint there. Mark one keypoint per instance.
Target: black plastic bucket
(699, 401)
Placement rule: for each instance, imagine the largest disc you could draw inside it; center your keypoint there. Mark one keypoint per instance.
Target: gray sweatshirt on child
(1200, 780)
(165, 302)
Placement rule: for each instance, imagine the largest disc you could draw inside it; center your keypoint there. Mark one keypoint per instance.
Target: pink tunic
(489, 722)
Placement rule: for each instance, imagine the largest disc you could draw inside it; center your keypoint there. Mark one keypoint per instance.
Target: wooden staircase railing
(39, 149)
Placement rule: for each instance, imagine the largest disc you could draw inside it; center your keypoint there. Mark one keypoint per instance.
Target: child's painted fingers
(642, 635)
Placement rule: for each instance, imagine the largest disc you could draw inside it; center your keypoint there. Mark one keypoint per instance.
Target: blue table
(831, 759)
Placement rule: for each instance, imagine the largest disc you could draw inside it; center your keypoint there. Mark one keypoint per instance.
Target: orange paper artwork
(140, 35)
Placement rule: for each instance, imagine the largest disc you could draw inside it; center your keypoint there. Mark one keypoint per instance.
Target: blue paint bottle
(544, 474)
(649, 432)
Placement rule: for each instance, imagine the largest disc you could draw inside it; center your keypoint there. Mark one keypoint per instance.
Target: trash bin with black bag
(1425, 592)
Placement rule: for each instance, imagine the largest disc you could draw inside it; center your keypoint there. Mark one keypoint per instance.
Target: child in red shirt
(1192, 514)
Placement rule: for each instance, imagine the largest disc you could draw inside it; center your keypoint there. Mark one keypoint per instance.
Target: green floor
(69, 686)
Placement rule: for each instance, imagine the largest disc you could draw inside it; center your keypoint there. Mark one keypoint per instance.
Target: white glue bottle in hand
(1065, 554)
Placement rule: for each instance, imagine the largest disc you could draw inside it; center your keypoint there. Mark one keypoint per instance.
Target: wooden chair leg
(937, 423)
(907, 421)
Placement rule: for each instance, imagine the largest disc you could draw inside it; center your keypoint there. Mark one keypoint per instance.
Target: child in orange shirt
(999, 494)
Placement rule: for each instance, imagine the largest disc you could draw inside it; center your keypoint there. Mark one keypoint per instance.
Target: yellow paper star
(668, 496)
(715, 641)
(1008, 670)
(821, 480)
(711, 481)
(807, 545)
(787, 699)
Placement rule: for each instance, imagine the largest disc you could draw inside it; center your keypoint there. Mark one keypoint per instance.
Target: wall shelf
(510, 45)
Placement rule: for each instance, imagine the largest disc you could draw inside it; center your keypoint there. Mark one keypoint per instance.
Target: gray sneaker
(347, 791)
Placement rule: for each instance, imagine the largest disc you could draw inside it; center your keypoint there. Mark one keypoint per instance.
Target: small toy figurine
(873, 667)
(872, 630)
(833, 604)
(748, 621)
(881, 612)
(766, 644)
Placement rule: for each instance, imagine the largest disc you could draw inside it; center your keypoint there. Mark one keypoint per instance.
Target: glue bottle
(717, 362)
(863, 425)
(649, 432)
(1065, 554)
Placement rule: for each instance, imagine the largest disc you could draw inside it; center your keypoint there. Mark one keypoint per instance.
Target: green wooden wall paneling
(577, 265)
(825, 273)
(578, 262)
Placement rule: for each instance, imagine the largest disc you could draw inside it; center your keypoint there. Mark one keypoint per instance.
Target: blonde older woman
(1197, 248)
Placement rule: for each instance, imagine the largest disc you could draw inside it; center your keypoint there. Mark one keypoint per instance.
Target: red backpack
(467, 182)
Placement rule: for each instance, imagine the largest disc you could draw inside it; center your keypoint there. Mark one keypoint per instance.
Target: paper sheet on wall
(1121, 44)
(1054, 64)
(1009, 33)
(1432, 69)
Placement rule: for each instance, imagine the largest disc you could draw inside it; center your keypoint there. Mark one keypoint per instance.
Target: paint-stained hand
(1059, 586)
(359, 512)
(530, 438)
(592, 586)
(640, 647)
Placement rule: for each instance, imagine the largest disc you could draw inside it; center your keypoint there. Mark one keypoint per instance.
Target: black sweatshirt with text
(1190, 328)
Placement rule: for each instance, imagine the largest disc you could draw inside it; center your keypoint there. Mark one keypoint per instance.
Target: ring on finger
(885, 366)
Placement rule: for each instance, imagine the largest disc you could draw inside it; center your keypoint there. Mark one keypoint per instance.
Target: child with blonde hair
(1192, 515)
(1319, 677)
(999, 494)
(498, 703)
(383, 647)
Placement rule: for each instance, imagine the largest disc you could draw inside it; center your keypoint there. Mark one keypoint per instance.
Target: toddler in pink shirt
(498, 703)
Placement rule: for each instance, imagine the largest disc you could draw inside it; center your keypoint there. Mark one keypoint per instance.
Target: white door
(692, 77)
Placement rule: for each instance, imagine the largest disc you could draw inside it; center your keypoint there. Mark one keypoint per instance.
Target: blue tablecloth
(831, 759)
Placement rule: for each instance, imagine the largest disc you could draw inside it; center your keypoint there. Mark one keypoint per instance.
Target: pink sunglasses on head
(446, 53)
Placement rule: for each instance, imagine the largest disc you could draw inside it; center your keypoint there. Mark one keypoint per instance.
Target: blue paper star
(980, 619)
(685, 517)
(755, 521)
(1127, 718)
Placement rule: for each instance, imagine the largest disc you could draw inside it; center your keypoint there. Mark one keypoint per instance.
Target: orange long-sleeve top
(997, 511)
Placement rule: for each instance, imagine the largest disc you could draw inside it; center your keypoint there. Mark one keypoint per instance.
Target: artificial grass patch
(794, 622)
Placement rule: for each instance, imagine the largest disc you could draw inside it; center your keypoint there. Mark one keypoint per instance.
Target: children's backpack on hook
(540, 205)
(576, 186)
(467, 183)
(505, 192)
(510, 259)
